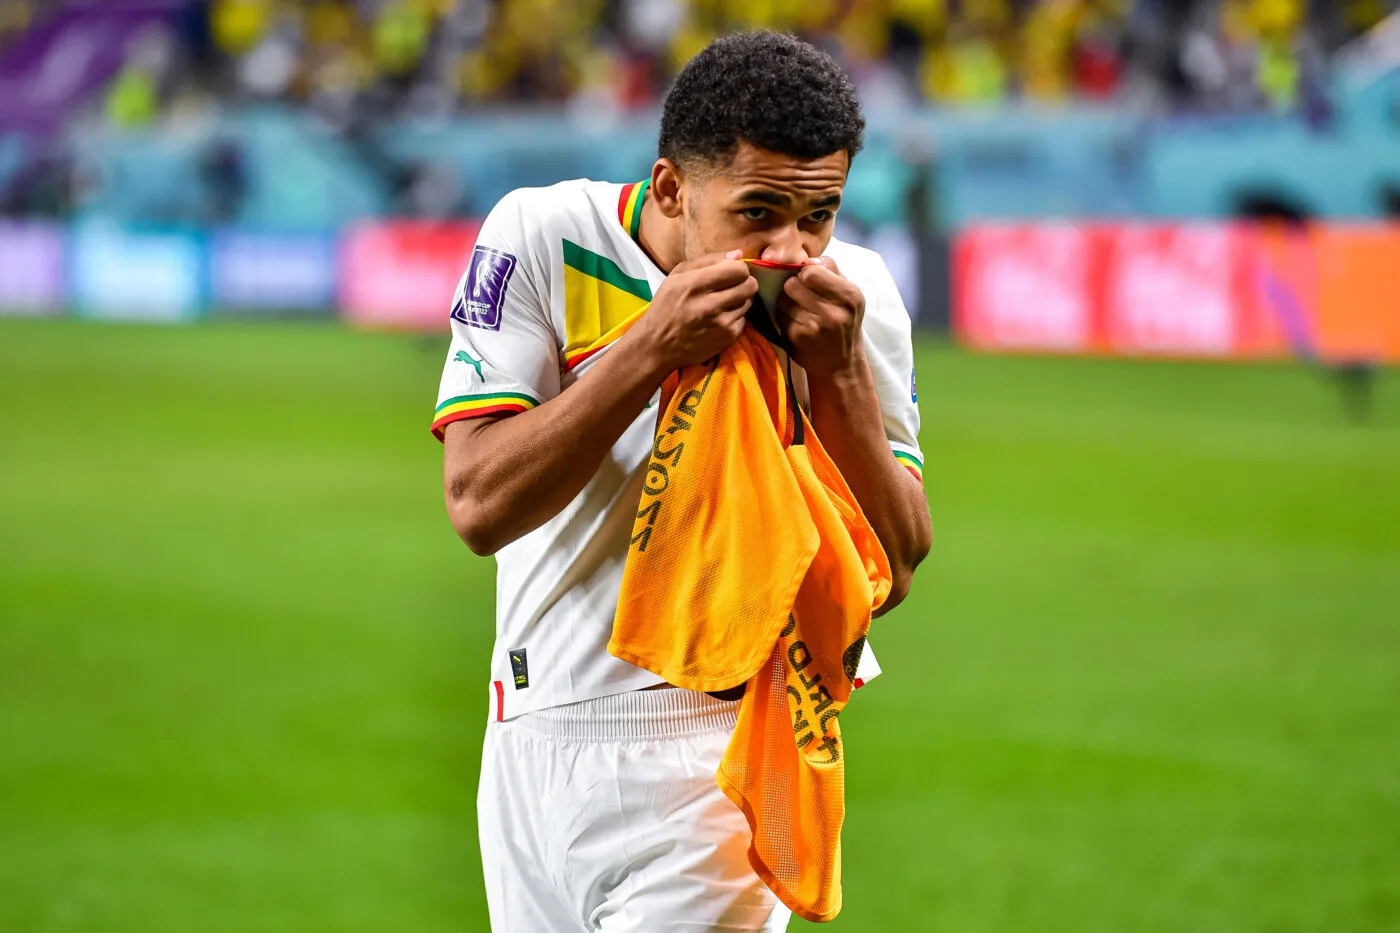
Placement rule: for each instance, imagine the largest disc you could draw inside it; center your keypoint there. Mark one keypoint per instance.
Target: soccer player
(597, 805)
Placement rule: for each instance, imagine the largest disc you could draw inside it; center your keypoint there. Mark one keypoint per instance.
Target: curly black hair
(766, 88)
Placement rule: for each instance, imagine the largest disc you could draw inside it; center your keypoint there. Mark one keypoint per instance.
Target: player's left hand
(820, 315)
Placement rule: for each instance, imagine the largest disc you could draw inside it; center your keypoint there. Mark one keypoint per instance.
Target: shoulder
(545, 214)
(887, 333)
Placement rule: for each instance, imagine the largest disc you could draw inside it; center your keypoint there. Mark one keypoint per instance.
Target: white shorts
(605, 816)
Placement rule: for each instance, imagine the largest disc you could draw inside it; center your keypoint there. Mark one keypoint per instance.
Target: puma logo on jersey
(463, 357)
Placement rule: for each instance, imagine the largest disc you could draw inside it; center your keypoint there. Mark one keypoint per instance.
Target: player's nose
(786, 247)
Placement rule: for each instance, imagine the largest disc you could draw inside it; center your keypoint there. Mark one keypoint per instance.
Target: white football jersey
(554, 274)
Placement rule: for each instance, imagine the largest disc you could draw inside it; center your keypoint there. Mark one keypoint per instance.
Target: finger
(723, 274)
(730, 298)
(841, 305)
(799, 327)
(826, 282)
(727, 257)
(727, 318)
(824, 261)
(793, 313)
(709, 259)
(802, 294)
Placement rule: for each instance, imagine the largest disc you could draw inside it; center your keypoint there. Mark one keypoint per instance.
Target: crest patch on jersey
(484, 291)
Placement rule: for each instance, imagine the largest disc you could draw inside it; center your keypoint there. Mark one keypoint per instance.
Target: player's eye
(820, 217)
(754, 213)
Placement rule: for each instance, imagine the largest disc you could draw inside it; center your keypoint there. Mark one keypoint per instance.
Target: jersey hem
(504, 707)
(725, 681)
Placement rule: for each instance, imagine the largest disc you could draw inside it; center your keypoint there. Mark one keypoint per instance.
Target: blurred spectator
(439, 54)
(357, 63)
(966, 69)
(400, 37)
(237, 25)
(1048, 39)
(43, 187)
(133, 99)
(355, 60)
(1252, 54)
(224, 174)
(134, 96)
(1099, 50)
(1389, 194)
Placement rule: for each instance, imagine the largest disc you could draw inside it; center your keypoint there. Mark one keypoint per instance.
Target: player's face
(771, 206)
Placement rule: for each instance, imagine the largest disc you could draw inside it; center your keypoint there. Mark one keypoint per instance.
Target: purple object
(484, 289)
(273, 272)
(62, 61)
(31, 268)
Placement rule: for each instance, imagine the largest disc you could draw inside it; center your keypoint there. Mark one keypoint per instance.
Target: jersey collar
(629, 208)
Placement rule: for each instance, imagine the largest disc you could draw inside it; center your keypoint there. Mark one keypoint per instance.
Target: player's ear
(665, 193)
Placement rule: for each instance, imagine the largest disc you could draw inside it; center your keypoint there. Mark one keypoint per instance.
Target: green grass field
(1149, 679)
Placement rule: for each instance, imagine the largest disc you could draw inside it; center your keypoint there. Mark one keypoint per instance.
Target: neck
(660, 237)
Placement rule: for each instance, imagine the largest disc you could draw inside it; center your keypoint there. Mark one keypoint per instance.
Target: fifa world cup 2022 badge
(483, 291)
(519, 668)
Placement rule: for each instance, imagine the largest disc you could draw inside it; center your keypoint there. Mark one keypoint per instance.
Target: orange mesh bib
(751, 563)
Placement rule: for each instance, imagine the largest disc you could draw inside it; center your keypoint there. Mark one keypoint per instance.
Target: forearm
(514, 474)
(846, 415)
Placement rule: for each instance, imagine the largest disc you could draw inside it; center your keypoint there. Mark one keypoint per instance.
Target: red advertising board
(403, 274)
(1025, 287)
(1176, 291)
(1180, 290)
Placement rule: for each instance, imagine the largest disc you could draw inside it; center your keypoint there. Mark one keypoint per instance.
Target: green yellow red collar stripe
(911, 463)
(476, 406)
(629, 207)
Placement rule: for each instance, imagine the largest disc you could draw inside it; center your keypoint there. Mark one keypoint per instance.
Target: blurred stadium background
(1149, 677)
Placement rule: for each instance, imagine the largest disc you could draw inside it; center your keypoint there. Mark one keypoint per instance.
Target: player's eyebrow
(774, 198)
(778, 199)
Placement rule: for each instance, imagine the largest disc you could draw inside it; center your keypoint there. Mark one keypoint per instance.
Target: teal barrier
(1003, 164)
(295, 174)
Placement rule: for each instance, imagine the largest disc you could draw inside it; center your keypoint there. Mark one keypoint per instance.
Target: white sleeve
(889, 347)
(504, 355)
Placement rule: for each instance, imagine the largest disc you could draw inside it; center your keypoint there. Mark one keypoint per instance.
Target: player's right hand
(698, 311)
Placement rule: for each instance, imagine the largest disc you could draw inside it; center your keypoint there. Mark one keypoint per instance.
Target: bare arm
(846, 415)
(503, 477)
(824, 314)
(507, 475)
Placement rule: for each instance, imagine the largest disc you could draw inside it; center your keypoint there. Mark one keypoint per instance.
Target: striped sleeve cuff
(477, 406)
(911, 463)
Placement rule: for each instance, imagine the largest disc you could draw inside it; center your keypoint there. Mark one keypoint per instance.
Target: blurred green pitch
(1148, 681)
